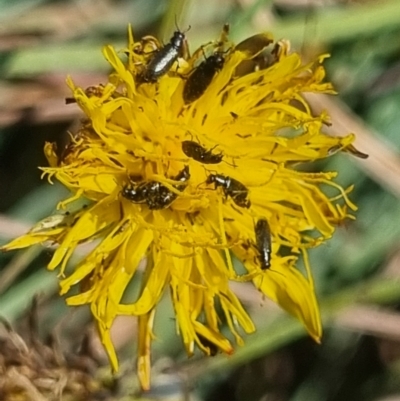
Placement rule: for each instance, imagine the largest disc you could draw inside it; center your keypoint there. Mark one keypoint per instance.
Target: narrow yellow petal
(144, 352)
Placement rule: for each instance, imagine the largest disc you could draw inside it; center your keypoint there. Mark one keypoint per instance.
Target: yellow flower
(187, 172)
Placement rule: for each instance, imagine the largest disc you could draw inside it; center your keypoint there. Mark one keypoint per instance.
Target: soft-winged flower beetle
(159, 197)
(136, 194)
(153, 193)
(164, 58)
(196, 152)
(231, 187)
(263, 243)
(201, 77)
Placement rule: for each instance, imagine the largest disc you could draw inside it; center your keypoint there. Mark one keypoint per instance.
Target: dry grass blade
(371, 320)
(11, 228)
(63, 20)
(392, 268)
(17, 265)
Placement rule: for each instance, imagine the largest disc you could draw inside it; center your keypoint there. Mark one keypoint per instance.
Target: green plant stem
(174, 18)
(17, 300)
(285, 329)
(337, 24)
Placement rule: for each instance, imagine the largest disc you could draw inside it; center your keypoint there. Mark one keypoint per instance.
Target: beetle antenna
(176, 24)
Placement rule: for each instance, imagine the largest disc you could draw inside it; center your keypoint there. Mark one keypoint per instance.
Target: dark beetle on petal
(201, 77)
(164, 58)
(231, 187)
(153, 193)
(263, 243)
(183, 176)
(159, 197)
(195, 151)
(136, 194)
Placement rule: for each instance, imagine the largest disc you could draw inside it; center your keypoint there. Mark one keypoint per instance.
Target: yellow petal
(288, 288)
(144, 352)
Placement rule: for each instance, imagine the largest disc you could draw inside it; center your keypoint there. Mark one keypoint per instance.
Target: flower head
(189, 161)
